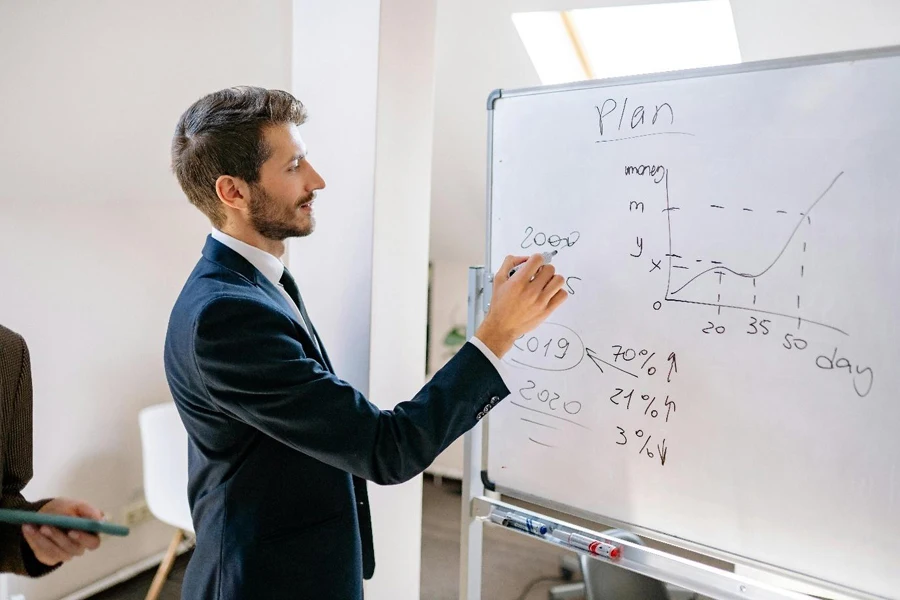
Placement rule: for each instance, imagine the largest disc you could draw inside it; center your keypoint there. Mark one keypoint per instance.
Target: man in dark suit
(29, 550)
(279, 447)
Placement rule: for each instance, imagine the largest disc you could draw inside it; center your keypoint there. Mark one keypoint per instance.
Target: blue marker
(520, 522)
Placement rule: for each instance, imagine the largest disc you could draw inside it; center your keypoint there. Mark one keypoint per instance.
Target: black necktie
(290, 286)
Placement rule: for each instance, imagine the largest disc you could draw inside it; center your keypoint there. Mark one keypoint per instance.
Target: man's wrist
(497, 342)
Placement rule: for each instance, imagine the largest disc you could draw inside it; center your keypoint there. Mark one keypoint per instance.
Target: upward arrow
(599, 361)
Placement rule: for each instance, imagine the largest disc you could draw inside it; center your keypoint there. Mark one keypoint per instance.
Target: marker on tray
(581, 542)
(547, 256)
(520, 522)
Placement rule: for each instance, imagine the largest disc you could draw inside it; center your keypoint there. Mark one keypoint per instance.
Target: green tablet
(27, 517)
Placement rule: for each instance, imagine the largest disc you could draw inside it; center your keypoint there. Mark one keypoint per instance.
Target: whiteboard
(725, 371)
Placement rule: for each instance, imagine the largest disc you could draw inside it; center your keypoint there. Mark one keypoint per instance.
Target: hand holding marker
(547, 256)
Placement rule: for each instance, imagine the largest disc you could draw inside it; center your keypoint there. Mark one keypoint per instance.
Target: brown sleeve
(15, 387)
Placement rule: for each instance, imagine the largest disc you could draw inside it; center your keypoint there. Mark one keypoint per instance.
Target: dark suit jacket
(16, 555)
(280, 448)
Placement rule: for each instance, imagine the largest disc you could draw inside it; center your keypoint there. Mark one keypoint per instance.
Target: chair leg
(165, 566)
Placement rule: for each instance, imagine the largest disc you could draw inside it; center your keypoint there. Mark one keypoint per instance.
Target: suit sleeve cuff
(501, 368)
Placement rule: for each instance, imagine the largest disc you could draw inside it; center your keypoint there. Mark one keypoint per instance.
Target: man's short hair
(222, 134)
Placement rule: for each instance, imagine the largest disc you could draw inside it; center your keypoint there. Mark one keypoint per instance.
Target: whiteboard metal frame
(666, 567)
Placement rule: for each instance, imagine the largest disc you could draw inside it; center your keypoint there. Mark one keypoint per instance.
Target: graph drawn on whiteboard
(687, 274)
(757, 259)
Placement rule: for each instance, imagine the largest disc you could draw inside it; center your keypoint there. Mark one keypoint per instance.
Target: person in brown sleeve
(29, 550)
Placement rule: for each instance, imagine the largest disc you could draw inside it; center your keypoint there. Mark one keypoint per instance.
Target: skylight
(597, 43)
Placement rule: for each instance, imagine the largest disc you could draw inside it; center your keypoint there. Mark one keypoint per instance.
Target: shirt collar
(270, 266)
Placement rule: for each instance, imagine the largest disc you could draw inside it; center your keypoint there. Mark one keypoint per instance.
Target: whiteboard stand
(471, 536)
(476, 508)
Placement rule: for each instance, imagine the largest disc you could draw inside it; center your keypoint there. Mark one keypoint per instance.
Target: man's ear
(233, 191)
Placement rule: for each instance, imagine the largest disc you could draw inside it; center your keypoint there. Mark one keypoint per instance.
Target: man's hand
(521, 302)
(52, 546)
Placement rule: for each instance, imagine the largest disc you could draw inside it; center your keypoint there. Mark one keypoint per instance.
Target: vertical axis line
(669, 220)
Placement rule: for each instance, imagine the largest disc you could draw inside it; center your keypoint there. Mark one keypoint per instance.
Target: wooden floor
(511, 561)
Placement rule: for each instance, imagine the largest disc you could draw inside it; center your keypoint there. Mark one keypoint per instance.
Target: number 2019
(534, 345)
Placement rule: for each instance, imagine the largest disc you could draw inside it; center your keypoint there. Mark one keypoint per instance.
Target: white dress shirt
(272, 269)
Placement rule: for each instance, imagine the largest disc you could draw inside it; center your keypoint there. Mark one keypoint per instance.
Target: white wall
(96, 238)
(363, 69)
(780, 28)
(478, 50)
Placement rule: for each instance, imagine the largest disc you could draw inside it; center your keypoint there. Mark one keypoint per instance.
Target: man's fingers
(530, 267)
(87, 540)
(44, 549)
(508, 263)
(62, 541)
(544, 276)
(557, 299)
(554, 285)
(86, 511)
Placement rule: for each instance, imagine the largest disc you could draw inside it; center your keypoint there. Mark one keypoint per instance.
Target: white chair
(164, 448)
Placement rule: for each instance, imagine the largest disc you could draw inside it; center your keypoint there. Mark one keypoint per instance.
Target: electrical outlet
(136, 513)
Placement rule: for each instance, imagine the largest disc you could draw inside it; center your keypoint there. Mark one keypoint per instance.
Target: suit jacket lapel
(226, 257)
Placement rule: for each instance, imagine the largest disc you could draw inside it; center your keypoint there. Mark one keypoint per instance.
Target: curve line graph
(720, 268)
(777, 258)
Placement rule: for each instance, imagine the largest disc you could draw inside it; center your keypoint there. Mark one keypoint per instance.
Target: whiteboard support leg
(472, 533)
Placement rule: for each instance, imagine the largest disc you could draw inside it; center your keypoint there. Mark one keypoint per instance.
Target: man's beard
(275, 222)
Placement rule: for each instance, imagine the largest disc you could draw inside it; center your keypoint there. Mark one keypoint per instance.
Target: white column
(400, 268)
(335, 74)
(366, 74)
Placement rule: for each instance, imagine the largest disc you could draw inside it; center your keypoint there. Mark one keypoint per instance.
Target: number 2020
(572, 407)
